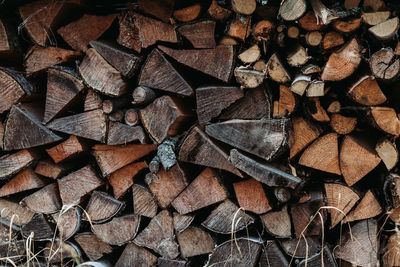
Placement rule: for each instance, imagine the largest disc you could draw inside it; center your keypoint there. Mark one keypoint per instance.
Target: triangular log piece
(67, 149)
(14, 87)
(212, 100)
(17, 251)
(163, 262)
(122, 179)
(392, 190)
(75, 186)
(322, 258)
(159, 9)
(347, 26)
(160, 73)
(331, 40)
(368, 207)
(92, 101)
(251, 196)
(249, 78)
(251, 55)
(63, 88)
(343, 63)
(226, 215)
(366, 91)
(342, 198)
(144, 203)
(112, 158)
(181, 222)
(385, 65)
(292, 9)
(197, 193)
(323, 154)
(15, 213)
(100, 75)
(304, 133)
(102, 207)
(374, 18)
(386, 30)
(217, 12)
(10, 47)
(342, 124)
(269, 174)
(68, 222)
(286, 104)
(119, 230)
(39, 228)
(23, 181)
(359, 246)
(90, 125)
(276, 71)
(159, 236)
(304, 215)
(93, 246)
(385, 119)
(120, 134)
(255, 104)
(137, 31)
(199, 149)
(278, 223)
(223, 60)
(57, 251)
(167, 185)
(245, 252)
(189, 13)
(301, 247)
(24, 119)
(194, 241)
(388, 152)
(77, 33)
(38, 58)
(200, 34)
(166, 116)
(134, 255)
(298, 57)
(46, 200)
(392, 251)
(238, 29)
(272, 255)
(357, 158)
(51, 170)
(264, 138)
(11, 164)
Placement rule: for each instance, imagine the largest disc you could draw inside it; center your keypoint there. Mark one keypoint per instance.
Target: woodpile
(199, 133)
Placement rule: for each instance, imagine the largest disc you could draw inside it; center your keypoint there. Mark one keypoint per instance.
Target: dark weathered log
(163, 262)
(195, 241)
(23, 181)
(57, 251)
(368, 207)
(136, 256)
(68, 222)
(131, 117)
(93, 246)
(38, 228)
(144, 203)
(199, 34)
(10, 46)
(45, 200)
(120, 134)
(278, 223)
(391, 190)
(11, 164)
(142, 95)
(188, 14)
(117, 116)
(181, 222)
(251, 196)
(302, 247)
(13, 213)
(322, 258)
(272, 255)
(111, 105)
(102, 207)
(159, 9)
(92, 101)
(282, 194)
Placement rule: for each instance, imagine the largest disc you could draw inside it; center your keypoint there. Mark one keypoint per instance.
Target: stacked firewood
(199, 133)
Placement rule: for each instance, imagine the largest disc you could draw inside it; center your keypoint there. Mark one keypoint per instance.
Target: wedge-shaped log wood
(251, 196)
(324, 257)
(144, 203)
(119, 230)
(122, 179)
(212, 100)
(195, 241)
(134, 255)
(388, 152)
(11, 164)
(374, 18)
(357, 158)
(332, 39)
(359, 246)
(217, 12)
(159, 236)
(15, 213)
(309, 22)
(385, 30)
(93, 246)
(343, 63)
(264, 138)
(23, 181)
(223, 60)
(342, 124)
(159, 9)
(46, 200)
(24, 119)
(385, 119)
(75, 186)
(391, 251)
(269, 174)
(392, 191)
(323, 154)
(181, 222)
(286, 103)
(100, 75)
(301, 247)
(278, 223)
(68, 222)
(63, 87)
(39, 228)
(77, 33)
(57, 251)
(200, 34)
(102, 207)
(90, 125)
(196, 195)
(10, 46)
(272, 255)
(368, 207)
(92, 101)
(244, 253)
(14, 87)
(199, 149)
(224, 216)
(51, 170)
(251, 55)
(167, 185)
(304, 133)
(112, 158)
(160, 73)
(276, 70)
(120, 133)
(384, 65)
(137, 31)
(342, 198)
(165, 117)
(366, 91)
(66, 150)
(298, 57)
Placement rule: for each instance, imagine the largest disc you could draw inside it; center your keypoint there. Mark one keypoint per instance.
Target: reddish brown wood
(25, 180)
(67, 149)
(251, 196)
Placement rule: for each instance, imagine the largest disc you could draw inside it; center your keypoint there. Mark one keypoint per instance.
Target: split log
(46, 200)
(57, 251)
(388, 152)
(17, 251)
(250, 55)
(14, 213)
(375, 18)
(131, 117)
(278, 223)
(143, 95)
(282, 194)
(244, 7)
(309, 22)
(316, 111)
(310, 69)
(260, 65)
(68, 222)
(357, 159)
(196, 195)
(366, 91)
(377, 5)
(324, 257)
(385, 30)
(92, 101)
(120, 133)
(93, 246)
(181, 222)
(251, 196)
(194, 241)
(384, 65)
(391, 251)
(188, 14)
(66, 150)
(113, 158)
(159, 9)
(276, 71)
(159, 236)
(342, 124)
(263, 30)
(304, 133)
(10, 46)
(286, 104)
(347, 26)
(249, 78)
(76, 185)
(391, 190)
(78, 35)
(200, 34)
(368, 207)
(51, 170)
(38, 228)
(23, 181)
(332, 40)
(272, 255)
(112, 105)
(300, 84)
(334, 107)
(302, 247)
(298, 57)
(163, 262)
(385, 119)
(313, 38)
(102, 207)
(292, 10)
(144, 203)
(316, 89)
(136, 256)
(119, 230)
(11, 164)
(217, 12)
(293, 32)
(116, 116)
